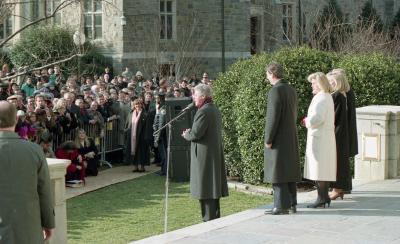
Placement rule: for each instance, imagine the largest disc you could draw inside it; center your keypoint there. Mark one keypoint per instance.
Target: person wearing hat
(124, 108)
(23, 127)
(139, 79)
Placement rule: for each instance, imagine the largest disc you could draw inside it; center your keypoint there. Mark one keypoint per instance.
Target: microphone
(188, 107)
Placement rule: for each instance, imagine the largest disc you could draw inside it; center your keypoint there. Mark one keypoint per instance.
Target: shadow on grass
(134, 210)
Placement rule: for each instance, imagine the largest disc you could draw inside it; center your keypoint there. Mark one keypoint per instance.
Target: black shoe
(293, 209)
(277, 211)
(319, 204)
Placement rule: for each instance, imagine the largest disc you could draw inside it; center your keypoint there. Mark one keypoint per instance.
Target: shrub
(375, 78)
(225, 90)
(42, 45)
(247, 106)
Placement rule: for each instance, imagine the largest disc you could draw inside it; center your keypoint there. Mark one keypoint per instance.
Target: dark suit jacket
(282, 161)
(26, 200)
(207, 166)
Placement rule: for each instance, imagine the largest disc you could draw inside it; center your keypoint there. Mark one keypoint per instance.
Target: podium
(179, 167)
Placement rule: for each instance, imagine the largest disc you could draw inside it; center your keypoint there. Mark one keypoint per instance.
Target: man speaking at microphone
(207, 167)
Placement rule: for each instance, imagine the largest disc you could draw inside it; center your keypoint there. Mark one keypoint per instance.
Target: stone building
(189, 36)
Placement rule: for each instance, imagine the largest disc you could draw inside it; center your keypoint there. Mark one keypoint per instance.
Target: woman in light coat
(320, 159)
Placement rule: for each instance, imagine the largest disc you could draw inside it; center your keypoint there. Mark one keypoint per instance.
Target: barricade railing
(106, 138)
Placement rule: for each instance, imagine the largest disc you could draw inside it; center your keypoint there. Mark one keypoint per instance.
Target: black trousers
(285, 195)
(210, 209)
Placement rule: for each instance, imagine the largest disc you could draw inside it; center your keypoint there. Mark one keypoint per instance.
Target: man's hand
(185, 132)
(47, 233)
(268, 146)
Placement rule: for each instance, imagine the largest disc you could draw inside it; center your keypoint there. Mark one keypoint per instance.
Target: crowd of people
(52, 107)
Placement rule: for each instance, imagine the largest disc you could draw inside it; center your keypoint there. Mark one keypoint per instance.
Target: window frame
(7, 28)
(50, 7)
(287, 21)
(165, 13)
(92, 14)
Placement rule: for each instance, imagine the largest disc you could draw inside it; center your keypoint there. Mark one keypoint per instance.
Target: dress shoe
(320, 204)
(277, 211)
(335, 195)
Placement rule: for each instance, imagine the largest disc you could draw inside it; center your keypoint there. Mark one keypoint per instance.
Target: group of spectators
(52, 107)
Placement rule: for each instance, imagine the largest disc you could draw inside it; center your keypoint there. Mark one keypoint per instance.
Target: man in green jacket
(207, 167)
(26, 202)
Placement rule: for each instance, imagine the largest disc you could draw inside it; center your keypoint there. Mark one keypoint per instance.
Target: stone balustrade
(57, 175)
(378, 143)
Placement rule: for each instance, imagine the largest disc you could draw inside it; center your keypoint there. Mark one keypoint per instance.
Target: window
(5, 28)
(35, 8)
(51, 5)
(93, 19)
(287, 21)
(167, 19)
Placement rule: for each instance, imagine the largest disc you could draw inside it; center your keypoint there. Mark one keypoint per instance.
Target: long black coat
(207, 166)
(142, 153)
(282, 161)
(343, 176)
(352, 126)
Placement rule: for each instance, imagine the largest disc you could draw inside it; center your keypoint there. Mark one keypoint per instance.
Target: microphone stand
(169, 124)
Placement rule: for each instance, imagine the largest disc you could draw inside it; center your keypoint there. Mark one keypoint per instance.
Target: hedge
(241, 92)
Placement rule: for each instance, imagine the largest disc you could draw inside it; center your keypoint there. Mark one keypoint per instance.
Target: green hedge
(45, 44)
(241, 92)
(375, 78)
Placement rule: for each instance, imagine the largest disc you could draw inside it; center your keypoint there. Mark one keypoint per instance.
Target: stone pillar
(57, 169)
(378, 143)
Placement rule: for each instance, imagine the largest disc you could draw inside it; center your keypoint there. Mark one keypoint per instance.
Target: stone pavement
(108, 177)
(371, 214)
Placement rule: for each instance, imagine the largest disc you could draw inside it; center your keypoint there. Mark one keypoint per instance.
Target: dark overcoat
(343, 177)
(282, 161)
(207, 166)
(26, 200)
(142, 153)
(352, 126)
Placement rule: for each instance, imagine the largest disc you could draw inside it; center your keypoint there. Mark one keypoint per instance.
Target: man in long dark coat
(26, 201)
(281, 152)
(207, 167)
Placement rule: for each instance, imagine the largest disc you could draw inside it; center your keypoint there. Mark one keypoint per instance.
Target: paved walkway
(108, 177)
(371, 214)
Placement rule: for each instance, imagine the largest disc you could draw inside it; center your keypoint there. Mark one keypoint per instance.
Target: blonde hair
(340, 81)
(342, 72)
(321, 80)
(77, 140)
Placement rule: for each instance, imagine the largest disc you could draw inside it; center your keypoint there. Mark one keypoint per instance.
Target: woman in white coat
(320, 159)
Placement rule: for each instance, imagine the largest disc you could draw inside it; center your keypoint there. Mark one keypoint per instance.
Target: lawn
(134, 210)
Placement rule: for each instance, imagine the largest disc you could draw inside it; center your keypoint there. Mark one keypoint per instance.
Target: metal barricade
(106, 138)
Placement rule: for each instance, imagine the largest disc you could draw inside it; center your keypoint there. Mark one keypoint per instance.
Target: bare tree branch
(39, 68)
(61, 6)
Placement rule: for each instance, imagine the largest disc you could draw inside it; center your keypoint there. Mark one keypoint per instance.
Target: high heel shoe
(319, 204)
(335, 195)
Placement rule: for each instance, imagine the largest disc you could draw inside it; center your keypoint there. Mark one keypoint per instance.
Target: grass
(134, 210)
